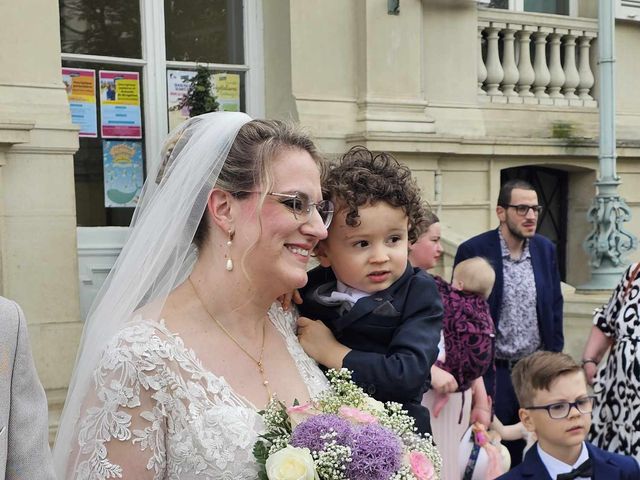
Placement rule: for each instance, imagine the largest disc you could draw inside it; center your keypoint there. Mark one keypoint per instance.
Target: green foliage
(563, 130)
(261, 453)
(199, 98)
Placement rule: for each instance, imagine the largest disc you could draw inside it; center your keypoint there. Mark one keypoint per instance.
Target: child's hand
(285, 300)
(481, 415)
(319, 343)
(439, 403)
(442, 381)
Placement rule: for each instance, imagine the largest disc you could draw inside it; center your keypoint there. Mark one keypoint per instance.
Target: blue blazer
(393, 335)
(545, 271)
(605, 466)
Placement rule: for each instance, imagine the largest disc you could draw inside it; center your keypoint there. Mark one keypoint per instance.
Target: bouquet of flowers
(344, 435)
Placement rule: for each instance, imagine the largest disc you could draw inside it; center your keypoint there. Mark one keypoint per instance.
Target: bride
(184, 344)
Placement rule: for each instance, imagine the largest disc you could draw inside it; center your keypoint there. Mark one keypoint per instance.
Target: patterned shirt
(518, 331)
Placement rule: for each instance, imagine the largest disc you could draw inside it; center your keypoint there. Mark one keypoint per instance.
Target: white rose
(291, 463)
(373, 405)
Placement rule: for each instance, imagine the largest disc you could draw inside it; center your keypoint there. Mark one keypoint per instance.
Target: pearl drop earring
(229, 265)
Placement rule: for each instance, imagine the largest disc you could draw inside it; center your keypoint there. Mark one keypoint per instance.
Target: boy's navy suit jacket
(393, 335)
(605, 466)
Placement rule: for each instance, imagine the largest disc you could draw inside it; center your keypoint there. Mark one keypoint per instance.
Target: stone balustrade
(535, 59)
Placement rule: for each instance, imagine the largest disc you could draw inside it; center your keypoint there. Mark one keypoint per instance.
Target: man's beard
(516, 233)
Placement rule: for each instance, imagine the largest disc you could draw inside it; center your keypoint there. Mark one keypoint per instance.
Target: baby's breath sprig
(275, 416)
(397, 420)
(276, 436)
(403, 474)
(332, 461)
(342, 392)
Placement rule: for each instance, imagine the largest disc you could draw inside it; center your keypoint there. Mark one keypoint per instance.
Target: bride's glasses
(301, 207)
(298, 203)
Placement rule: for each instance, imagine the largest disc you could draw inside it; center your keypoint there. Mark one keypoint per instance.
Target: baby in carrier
(458, 396)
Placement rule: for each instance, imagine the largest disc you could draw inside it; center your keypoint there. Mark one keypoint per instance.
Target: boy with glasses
(555, 405)
(526, 300)
(380, 317)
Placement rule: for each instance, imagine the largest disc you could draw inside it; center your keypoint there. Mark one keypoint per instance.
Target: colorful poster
(226, 87)
(123, 174)
(120, 105)
(80, 84)
(177, 87)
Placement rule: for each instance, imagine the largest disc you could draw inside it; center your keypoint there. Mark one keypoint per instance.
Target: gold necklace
(257, 361)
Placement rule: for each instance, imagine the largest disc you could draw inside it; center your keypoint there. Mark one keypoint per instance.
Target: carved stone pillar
(572, 77)
(526, 75)
(495, 73)
(540, 65)
(509, 63)
(557, 77)
(584, 68)
(482, 70)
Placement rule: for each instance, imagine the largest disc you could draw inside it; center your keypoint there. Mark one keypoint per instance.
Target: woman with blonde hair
(184, 345)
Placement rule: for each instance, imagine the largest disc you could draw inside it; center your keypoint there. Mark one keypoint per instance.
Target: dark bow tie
(583, 470)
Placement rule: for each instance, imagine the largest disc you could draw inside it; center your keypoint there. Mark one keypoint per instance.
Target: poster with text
(123, 174)
(80, 84)
(177, 87)
(120, 105)
(226, 87)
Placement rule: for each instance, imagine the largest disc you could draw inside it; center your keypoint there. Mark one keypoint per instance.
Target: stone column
(572, 77)
(495, 73)
(37, 200)
(509, 63)
(482, 70)
(540, 64)
(556, 78)
(584, 68)
(526, 74)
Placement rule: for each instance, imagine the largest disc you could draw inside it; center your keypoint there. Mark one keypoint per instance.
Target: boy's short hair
(477, 274)
(362, 178)
(429, 219)
(538, 371)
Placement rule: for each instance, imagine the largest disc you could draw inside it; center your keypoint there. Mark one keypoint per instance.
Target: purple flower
(308, 433)
(376, 453)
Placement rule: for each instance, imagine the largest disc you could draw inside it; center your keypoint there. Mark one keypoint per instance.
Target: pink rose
(421, 466)
(299, 413)
(304, 408)
(355, 415)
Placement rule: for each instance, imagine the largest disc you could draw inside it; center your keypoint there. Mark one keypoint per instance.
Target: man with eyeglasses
(526, 301)
(555, 406)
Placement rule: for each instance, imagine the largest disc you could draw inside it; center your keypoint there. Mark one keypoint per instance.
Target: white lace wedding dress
(153, 391)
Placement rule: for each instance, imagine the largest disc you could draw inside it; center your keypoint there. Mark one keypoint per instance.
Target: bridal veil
(157, 256)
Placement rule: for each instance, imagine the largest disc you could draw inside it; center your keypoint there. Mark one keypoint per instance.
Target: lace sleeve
(121, 432)
(285, 322)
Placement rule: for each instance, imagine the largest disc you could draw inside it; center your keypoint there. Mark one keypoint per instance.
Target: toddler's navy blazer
(393, 335)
